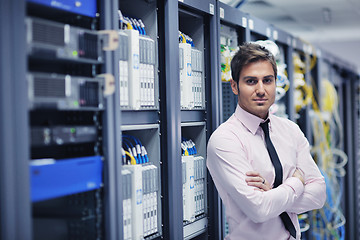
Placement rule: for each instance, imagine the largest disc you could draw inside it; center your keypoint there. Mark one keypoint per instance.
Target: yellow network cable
(183, 38)
(186, 153)
(227, 53)
(303, 92)
(328, 156)
(128, 25)
(330, 99)
(132, 159)
(312, 56)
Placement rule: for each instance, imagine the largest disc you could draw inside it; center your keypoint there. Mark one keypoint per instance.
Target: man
(262, 195)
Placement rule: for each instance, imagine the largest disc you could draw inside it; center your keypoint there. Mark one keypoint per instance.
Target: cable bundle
(227, 53)
(188, 147)
(303, 92)
(135, 151)
(328, 222)
(183, 38)
(131, 23)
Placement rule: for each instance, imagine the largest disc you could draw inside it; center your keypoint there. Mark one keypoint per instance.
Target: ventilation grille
(45, 87)
(44, 33)
(40, 136)
(88, 46)
(89, 94)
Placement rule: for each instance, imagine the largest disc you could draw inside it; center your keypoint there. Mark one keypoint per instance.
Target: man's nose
(260, 88)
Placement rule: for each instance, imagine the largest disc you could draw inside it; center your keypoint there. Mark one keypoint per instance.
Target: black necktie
(278, 174)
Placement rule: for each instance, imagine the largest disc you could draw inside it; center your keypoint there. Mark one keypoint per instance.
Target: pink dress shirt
(238, 146)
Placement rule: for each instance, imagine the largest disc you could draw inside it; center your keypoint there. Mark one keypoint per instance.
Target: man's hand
(299, 175)
(256, 180)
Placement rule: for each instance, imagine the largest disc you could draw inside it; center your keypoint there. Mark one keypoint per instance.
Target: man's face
(257, 88)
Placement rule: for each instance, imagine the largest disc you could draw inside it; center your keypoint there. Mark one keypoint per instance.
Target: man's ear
(234, 87)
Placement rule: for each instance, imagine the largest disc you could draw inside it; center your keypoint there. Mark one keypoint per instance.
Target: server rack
(196, 19)
(69, 212)
(352, 143)
(344, 76)
(139, 100)
(29, 60)
(301, 58)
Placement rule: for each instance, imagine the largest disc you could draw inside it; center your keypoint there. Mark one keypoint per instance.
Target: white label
(310, 49)
(268, 32)
(67, 33)
(318, 53)
(275, 35)
(222, 13)
(244, 22)
(294, 43)
(67, 85)
(289, 40)
(222, 40)
(211, 9)
(251, 24)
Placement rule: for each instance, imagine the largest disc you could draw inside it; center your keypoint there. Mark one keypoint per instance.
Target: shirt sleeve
(314, 194)
(227, 164)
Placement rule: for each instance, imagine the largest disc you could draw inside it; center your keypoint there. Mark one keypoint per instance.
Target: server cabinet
(139, 99)
(352, 146)
(197, 58)
(61, 56)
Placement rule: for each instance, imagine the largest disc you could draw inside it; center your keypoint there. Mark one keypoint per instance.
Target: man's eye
(268, 80)
(250, 81)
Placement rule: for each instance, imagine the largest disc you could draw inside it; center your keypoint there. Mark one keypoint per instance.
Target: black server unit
(66, 95)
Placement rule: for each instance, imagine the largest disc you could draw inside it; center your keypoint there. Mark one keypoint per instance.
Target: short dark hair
(250, 53)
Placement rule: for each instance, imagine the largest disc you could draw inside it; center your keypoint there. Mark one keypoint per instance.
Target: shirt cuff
(296, 185)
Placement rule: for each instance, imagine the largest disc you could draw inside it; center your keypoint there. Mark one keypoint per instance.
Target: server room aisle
(107, 108)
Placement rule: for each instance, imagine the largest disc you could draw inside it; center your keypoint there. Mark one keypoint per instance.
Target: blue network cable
(137, 147)
(121, 19)
(190, 146)
(129, 147)
(142, 25)
(140, 149)
(141, 30)
(132, 149)
(123, 156)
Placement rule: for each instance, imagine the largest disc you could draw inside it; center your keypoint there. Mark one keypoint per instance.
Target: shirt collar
(250, 121)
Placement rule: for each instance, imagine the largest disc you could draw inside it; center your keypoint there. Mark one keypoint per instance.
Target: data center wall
(106, 117)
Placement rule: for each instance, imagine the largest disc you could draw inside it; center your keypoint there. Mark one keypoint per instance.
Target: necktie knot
(265, 126)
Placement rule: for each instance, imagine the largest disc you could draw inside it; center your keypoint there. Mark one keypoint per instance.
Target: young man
(260, 163)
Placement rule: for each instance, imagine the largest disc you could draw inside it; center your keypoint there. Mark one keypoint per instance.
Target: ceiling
(331, 25)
